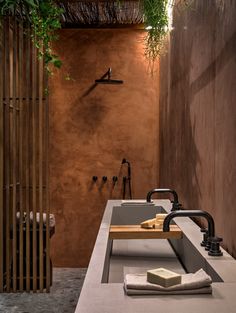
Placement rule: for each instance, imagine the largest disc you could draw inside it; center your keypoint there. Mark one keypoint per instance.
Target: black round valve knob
(104, 178)
(205, 237)
(95, 178)
(215, 247)
(114, 178)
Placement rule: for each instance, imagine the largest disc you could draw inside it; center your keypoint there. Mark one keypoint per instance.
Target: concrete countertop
(98, 297)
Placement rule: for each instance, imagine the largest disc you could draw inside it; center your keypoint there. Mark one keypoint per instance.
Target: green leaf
(57, 63)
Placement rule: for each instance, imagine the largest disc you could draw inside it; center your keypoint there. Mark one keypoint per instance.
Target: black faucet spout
(190, 213)
(175, 203)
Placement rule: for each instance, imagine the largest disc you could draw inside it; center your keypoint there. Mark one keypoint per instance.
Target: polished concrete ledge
(97, 296)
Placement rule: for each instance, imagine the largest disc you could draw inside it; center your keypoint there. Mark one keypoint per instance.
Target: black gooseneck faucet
(213, 242)
(175, 204)
(127, 178)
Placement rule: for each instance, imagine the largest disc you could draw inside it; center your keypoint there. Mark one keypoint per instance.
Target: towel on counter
(196, 283)
(52, 221)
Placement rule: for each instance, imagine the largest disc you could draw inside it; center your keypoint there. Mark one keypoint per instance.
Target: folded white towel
(137, 292)
(198, 282)
(52, 220)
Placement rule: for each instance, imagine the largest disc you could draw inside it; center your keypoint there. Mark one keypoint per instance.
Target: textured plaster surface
(93, 127)
(198, 112)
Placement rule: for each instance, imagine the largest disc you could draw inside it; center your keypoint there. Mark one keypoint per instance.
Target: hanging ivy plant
(44, 19)
(156, 24)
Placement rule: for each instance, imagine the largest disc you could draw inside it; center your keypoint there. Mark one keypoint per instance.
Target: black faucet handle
(104, 178)
(205, 237)
(176, 206)
(95, 178)
(114, 178)
(215, 246)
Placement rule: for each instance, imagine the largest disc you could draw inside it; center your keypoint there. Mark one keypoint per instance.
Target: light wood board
(136, 232)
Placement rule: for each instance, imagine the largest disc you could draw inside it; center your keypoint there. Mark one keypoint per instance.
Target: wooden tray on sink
(137, 232)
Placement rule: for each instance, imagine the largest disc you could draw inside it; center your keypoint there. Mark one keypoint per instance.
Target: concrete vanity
(103, 292)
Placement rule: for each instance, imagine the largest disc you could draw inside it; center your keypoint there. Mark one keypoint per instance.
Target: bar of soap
(160, 217)
(163, 277)
(148, 223)
(159, 225)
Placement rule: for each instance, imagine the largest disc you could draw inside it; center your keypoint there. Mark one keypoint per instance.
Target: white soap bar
(163, 277)
(158, 225)
(148, 223)
(160, 217)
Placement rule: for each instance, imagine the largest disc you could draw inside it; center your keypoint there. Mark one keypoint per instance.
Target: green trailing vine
(44, 19)
(156, 23)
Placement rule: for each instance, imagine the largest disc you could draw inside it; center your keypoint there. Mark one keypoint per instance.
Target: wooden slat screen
(24, 203)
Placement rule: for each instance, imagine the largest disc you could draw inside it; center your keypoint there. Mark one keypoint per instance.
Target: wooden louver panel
(24, 203)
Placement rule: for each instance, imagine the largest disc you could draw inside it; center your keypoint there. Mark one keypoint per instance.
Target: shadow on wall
(183, 107)
(194, 52)
(86, 115)
(223, 58)
(198, 112)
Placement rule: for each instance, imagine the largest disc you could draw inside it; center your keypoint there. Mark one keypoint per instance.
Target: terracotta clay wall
(198, 112)
(92, 128)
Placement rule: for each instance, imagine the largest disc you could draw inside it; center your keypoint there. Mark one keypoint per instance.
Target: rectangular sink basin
(134, 215)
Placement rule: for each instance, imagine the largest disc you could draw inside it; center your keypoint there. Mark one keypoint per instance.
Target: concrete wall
(198, 112)
(92, 128)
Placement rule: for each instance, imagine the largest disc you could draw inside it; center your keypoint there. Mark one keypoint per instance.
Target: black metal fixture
(127, 178)
(114, 179)
(175, 203)
(104, 178)
(215, 247)
(124, 186)
(205, 237)
(95, 178)
(108, 80)
(212, 242)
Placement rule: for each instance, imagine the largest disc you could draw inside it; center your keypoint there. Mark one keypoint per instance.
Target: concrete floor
(65, 291)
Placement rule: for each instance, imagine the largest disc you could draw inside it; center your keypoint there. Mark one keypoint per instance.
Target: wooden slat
(136, 232)
(21, 127)
(1, 155)
(34, 182)
(7, 150)
(46, 140)
(25, 162)
(14, 152)
(40, 169)
(27, 52)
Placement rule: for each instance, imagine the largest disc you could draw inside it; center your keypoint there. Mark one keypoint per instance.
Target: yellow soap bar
(158, 225)
(160, 217)
(148, 223)
(163, 277)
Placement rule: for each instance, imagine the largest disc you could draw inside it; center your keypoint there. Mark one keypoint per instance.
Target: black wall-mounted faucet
(212, 241)
(175, 204)
(127, 178)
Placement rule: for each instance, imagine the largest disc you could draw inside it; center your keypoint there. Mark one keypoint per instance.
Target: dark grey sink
(131, 215)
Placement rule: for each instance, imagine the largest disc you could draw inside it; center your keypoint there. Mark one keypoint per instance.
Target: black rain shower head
(108, 80)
